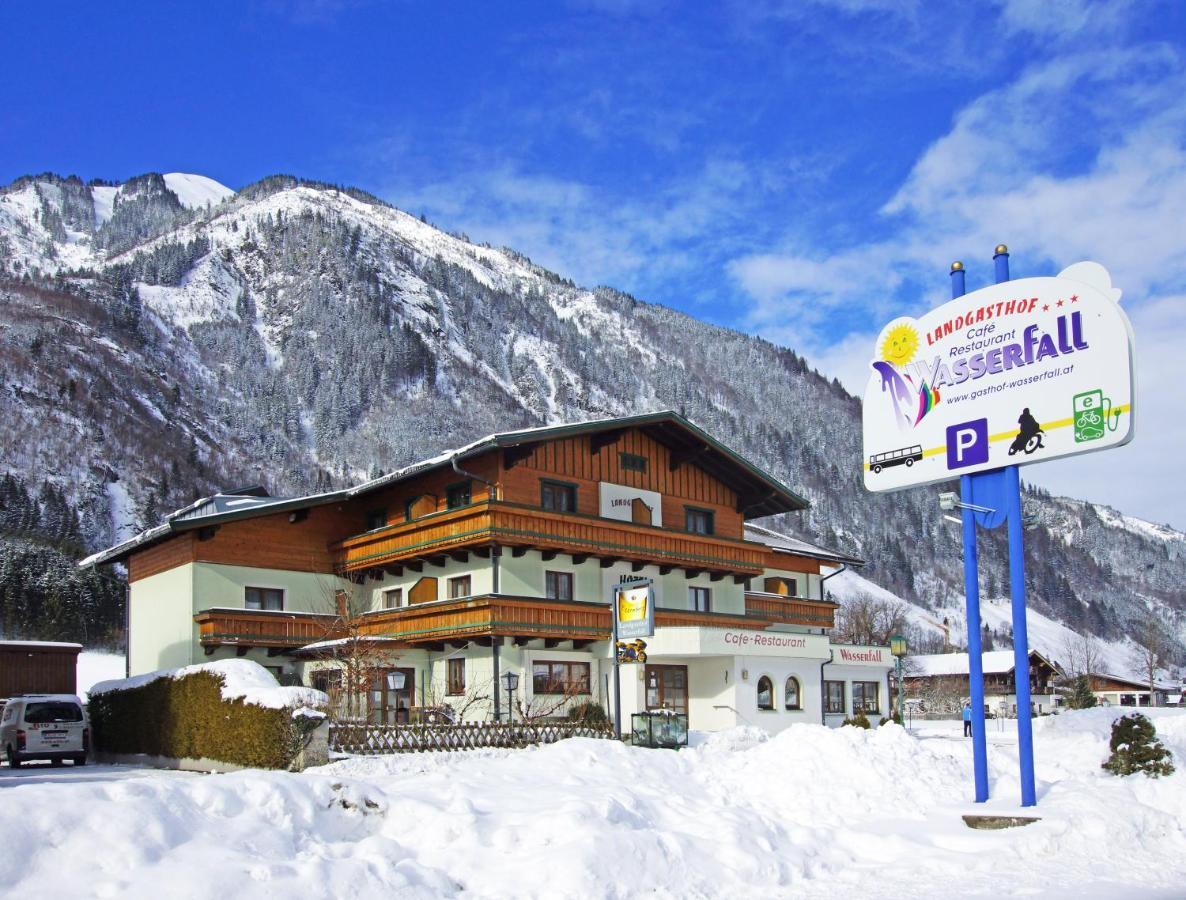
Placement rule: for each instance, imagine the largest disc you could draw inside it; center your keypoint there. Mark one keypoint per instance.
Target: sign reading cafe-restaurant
(1019, 372)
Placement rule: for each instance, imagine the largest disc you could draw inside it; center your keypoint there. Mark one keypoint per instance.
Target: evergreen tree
(1081, 696)
(1135, 748)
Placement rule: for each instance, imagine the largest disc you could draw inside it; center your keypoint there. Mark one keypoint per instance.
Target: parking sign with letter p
(967, 444)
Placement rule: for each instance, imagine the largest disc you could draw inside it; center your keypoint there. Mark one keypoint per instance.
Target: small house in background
(940, 682)
(38, 667)
(1120, 690)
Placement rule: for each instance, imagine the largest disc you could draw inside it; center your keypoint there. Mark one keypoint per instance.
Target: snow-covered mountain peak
(196, 191)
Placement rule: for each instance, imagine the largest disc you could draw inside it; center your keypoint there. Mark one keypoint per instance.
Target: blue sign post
(995, 498)
(1053, 354)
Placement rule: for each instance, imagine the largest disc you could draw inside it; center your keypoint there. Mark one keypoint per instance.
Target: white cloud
(1079, 158)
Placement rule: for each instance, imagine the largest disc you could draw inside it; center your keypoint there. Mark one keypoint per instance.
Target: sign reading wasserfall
(1020, 372)
(634, 609)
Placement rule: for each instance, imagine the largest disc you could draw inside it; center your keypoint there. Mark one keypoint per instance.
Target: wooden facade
(37, 668)
(493, 502)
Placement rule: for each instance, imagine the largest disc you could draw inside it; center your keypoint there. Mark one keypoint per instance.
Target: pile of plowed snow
(812, 812)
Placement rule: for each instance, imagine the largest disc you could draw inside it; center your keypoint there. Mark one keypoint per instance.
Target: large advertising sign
(1020, 372)
(634, 609)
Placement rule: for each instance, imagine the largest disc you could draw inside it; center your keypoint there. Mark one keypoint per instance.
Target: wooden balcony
(260, 628)
(515, 525)
(791, 610)
(479, 618)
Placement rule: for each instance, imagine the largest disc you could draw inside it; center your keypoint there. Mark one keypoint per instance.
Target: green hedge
(187, 718)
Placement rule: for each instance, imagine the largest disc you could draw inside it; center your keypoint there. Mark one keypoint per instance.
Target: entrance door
(388, 706)
(667, 688)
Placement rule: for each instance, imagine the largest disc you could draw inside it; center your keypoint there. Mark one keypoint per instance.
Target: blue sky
(803, 170)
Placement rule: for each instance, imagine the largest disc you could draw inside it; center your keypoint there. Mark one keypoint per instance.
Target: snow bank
(811, 812)
(241, 678)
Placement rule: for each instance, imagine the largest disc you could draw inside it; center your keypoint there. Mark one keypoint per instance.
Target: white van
(44, 726)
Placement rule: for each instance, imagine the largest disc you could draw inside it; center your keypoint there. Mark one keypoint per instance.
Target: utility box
(667, 730)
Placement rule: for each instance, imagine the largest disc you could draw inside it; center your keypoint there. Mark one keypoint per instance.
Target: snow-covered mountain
(165, 337)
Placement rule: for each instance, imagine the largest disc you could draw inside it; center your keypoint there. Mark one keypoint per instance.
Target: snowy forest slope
(165, 337)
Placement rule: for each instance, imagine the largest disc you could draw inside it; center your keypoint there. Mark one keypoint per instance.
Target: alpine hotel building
(501, 556)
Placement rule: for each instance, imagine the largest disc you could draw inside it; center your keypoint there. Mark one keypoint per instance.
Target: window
(698, 521)
(560, 678)
(788, 587)
(458, 495)
(376, 518)
(791, 697)
(558, 496)
(459, 587)
(632, 462)
(263, 598)
(834, 696)
(558, 585)
(393, 598)
(865, 696)
(456, 676)
(700, 599)
(765, 693)
(49, 712)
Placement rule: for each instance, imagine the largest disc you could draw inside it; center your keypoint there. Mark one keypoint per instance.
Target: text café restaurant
(501, 557)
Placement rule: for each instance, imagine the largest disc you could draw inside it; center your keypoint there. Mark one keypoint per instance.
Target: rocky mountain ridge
(159, 342)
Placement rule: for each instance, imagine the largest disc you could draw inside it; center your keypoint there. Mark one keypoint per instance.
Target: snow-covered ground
(95, 666)
(810, 813)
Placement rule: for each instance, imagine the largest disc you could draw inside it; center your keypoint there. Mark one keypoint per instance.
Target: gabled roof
(994, 662)
(784, 543)
(761, 494)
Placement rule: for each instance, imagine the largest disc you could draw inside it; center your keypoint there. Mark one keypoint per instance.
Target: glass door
(667, 688)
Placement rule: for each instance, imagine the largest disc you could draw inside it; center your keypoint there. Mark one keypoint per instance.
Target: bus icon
(907, 456)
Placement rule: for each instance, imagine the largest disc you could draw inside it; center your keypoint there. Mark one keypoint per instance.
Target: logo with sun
(911, 399)
(900, 344)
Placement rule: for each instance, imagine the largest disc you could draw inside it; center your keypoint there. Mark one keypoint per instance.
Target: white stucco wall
(160, 620)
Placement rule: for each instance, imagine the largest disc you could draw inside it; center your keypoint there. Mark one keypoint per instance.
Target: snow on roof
(241, 678)
(58, 644)
(196, 190)
(995, 662)
(787, 544)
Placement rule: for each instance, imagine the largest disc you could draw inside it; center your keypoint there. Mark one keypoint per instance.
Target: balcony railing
(483, 616)
(791, 610)
(262, 628)
(512, 524)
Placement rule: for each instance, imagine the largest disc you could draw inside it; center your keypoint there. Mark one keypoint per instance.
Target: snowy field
(811, 813)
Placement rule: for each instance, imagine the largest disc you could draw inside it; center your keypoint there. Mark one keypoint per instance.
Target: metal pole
(972, 609)
(975, 662)
(901, 717)
(1021, 648)
(494, 642)
(613, 617)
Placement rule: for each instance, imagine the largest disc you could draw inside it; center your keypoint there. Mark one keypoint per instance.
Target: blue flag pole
(972, 607)
(1021, 648)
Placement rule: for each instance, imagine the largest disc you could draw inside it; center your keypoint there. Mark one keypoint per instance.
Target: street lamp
(396, 681)
(898, 649)
(510, 681)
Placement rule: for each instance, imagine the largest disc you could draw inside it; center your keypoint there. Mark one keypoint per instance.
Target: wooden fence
(372, 740)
